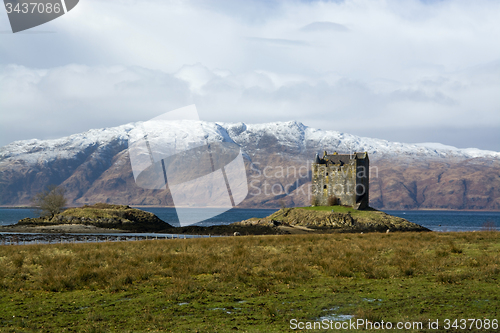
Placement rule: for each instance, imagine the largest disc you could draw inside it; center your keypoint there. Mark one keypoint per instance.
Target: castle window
(327, 173)
(324, 186)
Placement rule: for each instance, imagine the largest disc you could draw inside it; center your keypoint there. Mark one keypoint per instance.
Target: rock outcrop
(104, 216)
(327, 219)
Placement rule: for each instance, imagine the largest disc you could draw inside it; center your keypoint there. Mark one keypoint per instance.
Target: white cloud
(361, 66)
(324, 26)
(69, 99)
(74, 98)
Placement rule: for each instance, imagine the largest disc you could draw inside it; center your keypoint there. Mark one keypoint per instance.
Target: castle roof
(341, 158)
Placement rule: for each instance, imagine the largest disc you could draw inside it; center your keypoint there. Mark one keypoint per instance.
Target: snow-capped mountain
(294, 136)
(94, 166)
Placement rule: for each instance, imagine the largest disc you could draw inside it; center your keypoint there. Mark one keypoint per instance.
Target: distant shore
(277, 208)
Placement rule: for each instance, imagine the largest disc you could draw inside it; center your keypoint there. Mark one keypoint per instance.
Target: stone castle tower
(344, 177)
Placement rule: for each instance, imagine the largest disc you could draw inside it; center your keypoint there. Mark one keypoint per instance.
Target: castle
(341, 179)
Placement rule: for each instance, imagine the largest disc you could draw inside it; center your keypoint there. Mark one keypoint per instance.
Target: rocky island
(99, 217)
(106, 218)
(327, 219)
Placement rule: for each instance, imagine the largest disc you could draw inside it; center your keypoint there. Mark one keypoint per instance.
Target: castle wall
(338, 181)
(362, 183)
(348, 182)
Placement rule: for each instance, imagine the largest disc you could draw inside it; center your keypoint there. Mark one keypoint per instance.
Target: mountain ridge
(94, 167)
(357, 143)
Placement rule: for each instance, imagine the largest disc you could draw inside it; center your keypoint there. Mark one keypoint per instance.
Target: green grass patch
(92, 213)
(342, 209)
(253, 284)
(336, 209)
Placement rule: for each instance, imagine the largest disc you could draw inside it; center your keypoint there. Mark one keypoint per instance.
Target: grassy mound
(104, 216)
(336, 218)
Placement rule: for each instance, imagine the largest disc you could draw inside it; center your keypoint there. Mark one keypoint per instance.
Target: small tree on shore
(282, 204)
(50, 202)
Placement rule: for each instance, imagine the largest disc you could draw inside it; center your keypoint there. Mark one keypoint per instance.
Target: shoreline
(59, 229)
(217, 230)
(278, 208)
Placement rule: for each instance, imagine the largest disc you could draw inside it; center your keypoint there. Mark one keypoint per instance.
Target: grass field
(251, 283)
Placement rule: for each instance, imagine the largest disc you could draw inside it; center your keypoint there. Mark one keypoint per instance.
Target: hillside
(95, 167)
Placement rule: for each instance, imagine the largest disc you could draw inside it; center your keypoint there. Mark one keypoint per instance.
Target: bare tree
(51, 201)
(282, 204)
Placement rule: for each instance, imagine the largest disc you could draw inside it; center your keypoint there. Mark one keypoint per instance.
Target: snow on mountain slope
(36, 151)
(379, 148)
(294, 135)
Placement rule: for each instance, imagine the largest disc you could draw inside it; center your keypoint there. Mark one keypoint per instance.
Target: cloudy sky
(401, 70)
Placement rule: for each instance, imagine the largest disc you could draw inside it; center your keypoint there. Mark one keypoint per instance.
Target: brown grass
(258, 261)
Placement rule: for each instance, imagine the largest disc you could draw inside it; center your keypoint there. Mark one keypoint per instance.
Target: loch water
(443, 221)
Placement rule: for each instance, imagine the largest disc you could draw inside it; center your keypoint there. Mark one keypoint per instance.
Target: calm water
(451, 220)
(233, 215)
(11, 216)
(434, 220)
